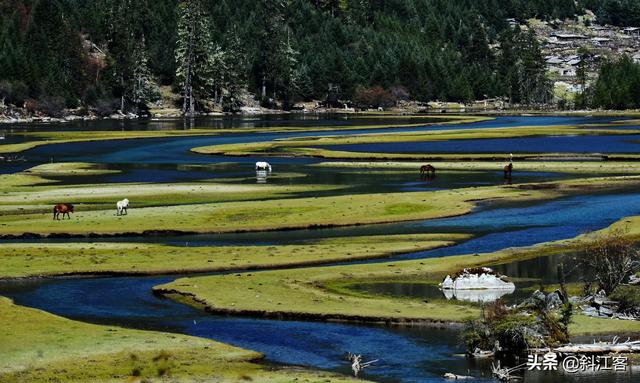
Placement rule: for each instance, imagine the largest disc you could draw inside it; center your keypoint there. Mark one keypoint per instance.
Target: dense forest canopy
(92, 52)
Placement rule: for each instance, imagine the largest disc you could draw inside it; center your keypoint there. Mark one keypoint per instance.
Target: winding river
(407, 354)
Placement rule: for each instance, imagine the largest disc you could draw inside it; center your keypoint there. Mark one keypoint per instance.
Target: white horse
(122, 207)
(262, 165)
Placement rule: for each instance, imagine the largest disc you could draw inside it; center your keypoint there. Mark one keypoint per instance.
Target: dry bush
(609, 259)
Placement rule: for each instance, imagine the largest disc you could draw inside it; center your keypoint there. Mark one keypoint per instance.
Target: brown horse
(507, 170)
(62, 208)
(426, 169)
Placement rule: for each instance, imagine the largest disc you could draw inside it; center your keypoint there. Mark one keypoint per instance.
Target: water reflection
(476, 296)
(216, 122)
(261, 176)
(431, 292)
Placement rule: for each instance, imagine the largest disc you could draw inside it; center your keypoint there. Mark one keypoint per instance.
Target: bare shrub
(609, 259)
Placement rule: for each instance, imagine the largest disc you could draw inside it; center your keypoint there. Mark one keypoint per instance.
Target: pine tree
(235, 64)
(218, 65)
(581, 75)
(272, 43)
(534, 84)
(120, 44)
(143, 87)
(286, 77)
(304, 84)
(194, 54)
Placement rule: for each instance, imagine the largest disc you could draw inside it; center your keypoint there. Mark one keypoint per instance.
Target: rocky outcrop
(600, 306)
(549, 301)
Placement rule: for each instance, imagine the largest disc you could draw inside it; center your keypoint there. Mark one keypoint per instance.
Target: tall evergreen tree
(286, 78)
(235, 64)
(143, 88)
(272, 44)
(618, 85)
(194, 54)
(121, 35)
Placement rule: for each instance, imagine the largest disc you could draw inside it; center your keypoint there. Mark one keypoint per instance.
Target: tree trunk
(188, 103)
(122, 95)
(191, 102)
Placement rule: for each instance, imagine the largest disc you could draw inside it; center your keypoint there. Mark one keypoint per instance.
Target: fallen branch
(357, 365)
(505, 374)
(595, 348)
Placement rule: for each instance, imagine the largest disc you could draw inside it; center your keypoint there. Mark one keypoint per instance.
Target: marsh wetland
(219, 272)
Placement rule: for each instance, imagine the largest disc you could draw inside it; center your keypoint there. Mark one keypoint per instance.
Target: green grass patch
(69, 169)
(188, 207)
(37, 260)
(405, 208)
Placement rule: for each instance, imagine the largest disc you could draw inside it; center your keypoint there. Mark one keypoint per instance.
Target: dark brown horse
(507, 170)
(64, 209)
(427, 169)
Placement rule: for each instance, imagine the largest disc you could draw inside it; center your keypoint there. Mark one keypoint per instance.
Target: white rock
(476, 287)
(468, 281)
(447, 283)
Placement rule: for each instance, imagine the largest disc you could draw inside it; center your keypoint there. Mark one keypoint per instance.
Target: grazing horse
(507, 170)
(122, 206)
(62, 208)
(427, 169)
(262, 165)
